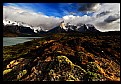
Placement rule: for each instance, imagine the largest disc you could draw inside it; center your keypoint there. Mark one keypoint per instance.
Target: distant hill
(15, 30)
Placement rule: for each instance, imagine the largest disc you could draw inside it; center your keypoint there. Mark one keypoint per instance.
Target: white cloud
(29, 17)
(99, 22)
(76, 19)
(48, 22)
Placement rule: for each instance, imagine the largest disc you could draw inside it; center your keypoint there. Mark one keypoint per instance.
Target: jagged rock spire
(62, 25)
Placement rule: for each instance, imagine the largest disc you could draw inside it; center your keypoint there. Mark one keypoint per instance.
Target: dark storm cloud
(89, 7)
(112, 18)
(103, 13)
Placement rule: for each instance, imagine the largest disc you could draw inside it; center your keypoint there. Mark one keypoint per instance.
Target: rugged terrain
(64, 57)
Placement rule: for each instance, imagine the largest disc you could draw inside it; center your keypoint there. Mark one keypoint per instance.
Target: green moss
(21, 74)
(91, 76)
(65, 59)
(92, 66)
(6, 71)
(71, 77)
(80, 68)
(62, 59)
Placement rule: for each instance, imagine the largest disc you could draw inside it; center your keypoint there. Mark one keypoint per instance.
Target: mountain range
(82, 28)
(17, 28)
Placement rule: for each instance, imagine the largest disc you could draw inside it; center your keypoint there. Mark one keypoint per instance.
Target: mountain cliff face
(57, 29)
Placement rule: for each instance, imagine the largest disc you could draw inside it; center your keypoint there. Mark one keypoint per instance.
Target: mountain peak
(80, 27)
(62, 25)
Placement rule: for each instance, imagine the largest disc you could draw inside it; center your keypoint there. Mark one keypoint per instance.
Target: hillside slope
(64, 57)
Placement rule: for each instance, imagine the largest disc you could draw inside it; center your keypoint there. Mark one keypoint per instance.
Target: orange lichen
(48, 59)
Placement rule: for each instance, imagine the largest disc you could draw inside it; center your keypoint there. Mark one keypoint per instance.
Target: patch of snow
(62, 25)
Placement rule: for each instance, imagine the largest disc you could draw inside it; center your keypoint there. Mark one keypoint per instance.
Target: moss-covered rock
(64, 59)
(21, 74)
(92, 66)
(91, 76)
(7, 71)
(67, 70)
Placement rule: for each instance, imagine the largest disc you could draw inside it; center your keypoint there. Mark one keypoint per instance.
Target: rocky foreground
(64, 57)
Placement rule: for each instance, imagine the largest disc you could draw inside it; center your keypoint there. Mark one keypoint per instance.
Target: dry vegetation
(64, 57)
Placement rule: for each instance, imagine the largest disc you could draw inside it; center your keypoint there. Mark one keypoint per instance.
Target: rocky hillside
(64, 57)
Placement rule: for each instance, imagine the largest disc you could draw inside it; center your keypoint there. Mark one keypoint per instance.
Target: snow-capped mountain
(7, 22)
(24, 28)
(36, 29)
(16, 28)
(62, 25)
(39, 29)
(16, 23)
(77, 28)
(65, 28)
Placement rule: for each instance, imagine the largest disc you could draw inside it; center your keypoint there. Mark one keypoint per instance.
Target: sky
(104, 16)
